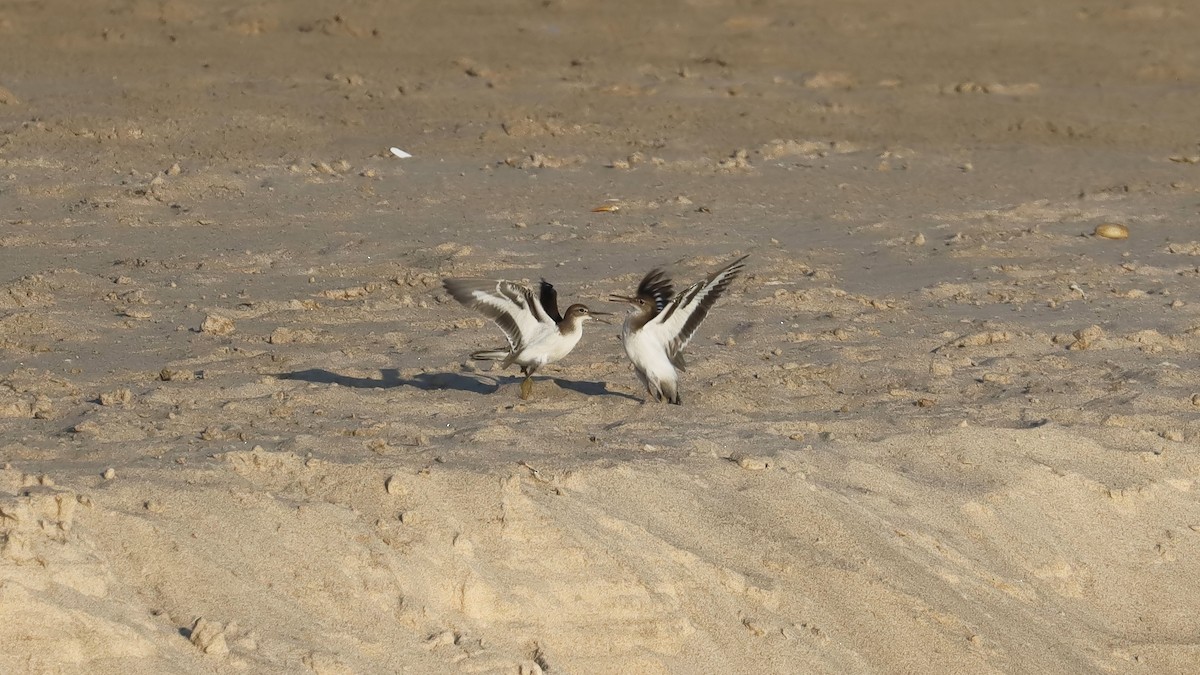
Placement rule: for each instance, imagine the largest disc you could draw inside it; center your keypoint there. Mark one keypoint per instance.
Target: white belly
(551, 346)
(649, 356)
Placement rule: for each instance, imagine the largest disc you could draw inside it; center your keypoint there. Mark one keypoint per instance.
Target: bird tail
(490, 355)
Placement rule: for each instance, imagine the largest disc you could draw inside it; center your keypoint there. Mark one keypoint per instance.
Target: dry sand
(935, 427)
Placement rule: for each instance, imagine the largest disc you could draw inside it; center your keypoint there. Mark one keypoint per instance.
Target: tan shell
(1112, 231)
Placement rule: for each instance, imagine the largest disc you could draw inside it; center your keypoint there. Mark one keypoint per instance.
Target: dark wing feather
(549, 300)
(686, 312)
(657, 287)
(512, 306)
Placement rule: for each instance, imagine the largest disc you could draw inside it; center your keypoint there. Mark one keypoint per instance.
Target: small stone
(42, 407)
(1112, 231)
(168, 375)
(1086, 338)
(394, 485)
(117, 397)
(217, 325)
(209, 637)
(752, 462)
(7, 97)
(109, 473)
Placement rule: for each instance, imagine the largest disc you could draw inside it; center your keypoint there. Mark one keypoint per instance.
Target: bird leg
(527, 385)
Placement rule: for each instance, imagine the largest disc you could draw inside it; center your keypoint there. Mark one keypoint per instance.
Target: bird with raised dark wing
(537, 334)
(661, 324)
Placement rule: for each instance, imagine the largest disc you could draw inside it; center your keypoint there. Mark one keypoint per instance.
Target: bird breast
(552, 346)
(648, 353)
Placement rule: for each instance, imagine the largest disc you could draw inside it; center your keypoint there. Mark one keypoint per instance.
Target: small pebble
(118, 397)
(167, 374)
(215, 324)
(1112, 231)
(394, 485)
(752, 462)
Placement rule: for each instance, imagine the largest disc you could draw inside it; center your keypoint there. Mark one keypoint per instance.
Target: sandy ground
(936, 426)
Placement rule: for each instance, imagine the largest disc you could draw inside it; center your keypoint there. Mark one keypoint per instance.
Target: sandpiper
(537, 334)
(661, 324)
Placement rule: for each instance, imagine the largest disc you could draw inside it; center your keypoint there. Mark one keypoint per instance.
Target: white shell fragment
(1112, 231)
(400, 153)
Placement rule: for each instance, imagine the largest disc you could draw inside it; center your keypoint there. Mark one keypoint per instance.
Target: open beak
(621, 298)
(594, 314)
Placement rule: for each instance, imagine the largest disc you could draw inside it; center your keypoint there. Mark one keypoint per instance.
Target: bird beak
(621, 298)
(594, 313)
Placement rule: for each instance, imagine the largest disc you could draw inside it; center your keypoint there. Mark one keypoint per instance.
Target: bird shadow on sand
(589, 388)
(389, 378)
